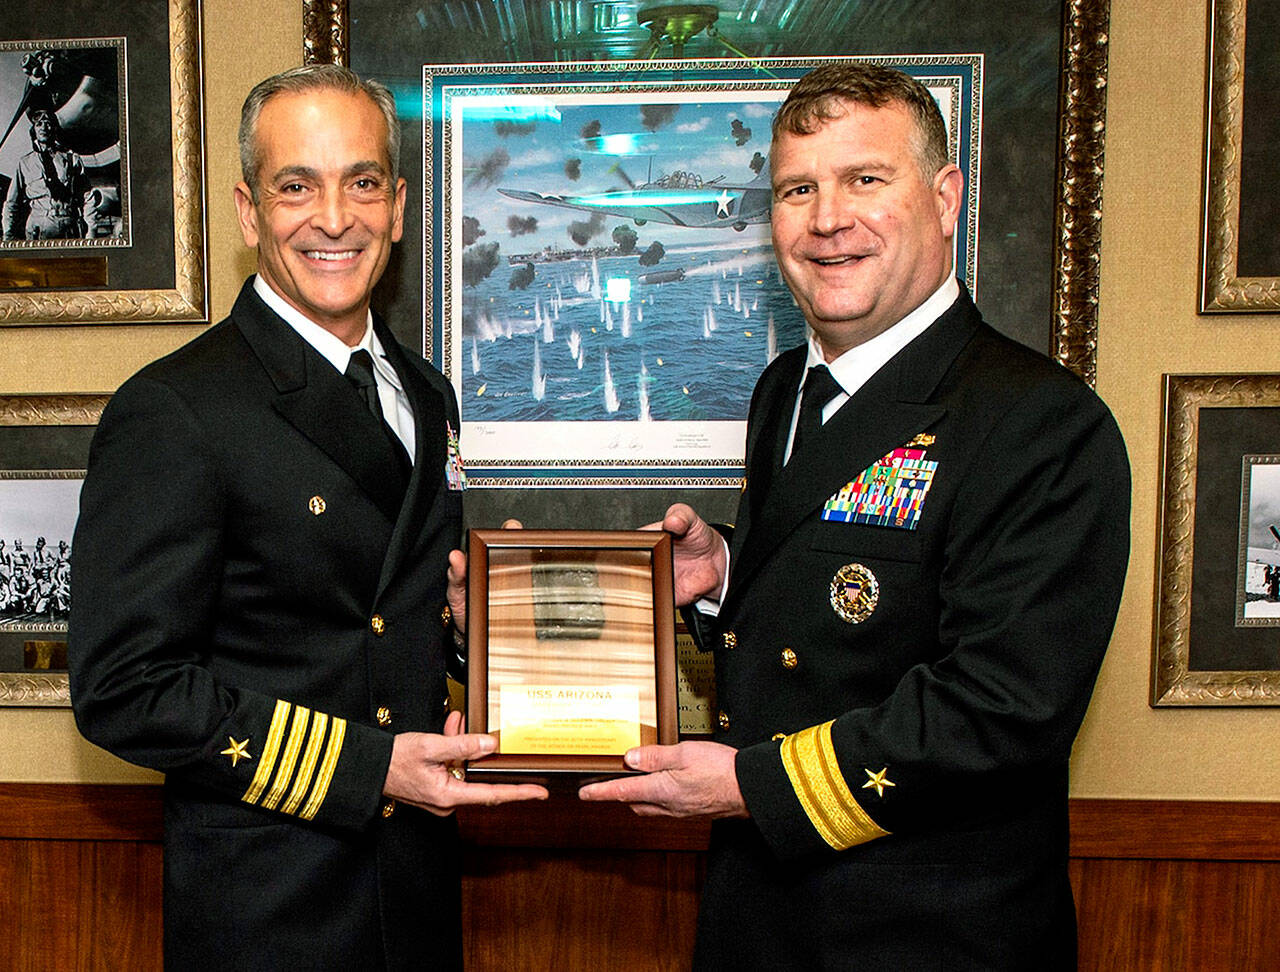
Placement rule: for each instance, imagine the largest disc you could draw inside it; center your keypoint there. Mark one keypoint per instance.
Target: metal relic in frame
(570, 650)
(44, 442)
(143, 240)
(1240, 258)
(1217, 636)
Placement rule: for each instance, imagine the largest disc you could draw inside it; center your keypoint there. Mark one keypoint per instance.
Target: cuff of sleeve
(798, 798)
(320, 767)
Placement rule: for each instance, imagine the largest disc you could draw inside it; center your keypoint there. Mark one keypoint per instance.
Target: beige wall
(1155, 118)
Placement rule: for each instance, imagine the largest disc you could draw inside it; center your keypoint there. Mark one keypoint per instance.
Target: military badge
(854, 592)
(890, 492)
(454, 475)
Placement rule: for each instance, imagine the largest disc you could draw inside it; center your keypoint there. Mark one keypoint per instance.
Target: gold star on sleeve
(877, 781)
(237, 750)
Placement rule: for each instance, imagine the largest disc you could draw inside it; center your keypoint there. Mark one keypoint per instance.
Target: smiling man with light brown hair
(910, 612)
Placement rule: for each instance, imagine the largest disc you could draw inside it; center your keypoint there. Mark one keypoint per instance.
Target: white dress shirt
(395, 404)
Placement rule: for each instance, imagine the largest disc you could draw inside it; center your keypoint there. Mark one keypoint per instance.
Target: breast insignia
(854, 592)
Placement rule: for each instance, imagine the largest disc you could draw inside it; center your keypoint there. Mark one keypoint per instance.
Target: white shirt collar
(330, 347)
(853, 368)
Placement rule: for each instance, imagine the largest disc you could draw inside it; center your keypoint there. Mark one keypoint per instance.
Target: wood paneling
(579, 910)
(1159, 885)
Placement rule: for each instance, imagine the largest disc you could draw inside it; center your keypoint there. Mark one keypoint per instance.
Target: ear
(948, 188)
(397, 218)
(247, 213)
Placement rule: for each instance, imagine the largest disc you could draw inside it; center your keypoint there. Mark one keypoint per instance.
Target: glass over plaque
(571, 649)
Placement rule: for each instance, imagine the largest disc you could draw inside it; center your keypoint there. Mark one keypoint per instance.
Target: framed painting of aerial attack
(101, 163)
(1240, 257)
(44, 447)
(602, 320)
(1041, 115)
(1218, 587)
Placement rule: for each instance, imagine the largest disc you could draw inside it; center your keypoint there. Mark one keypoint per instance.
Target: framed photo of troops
(44, 448)
(101, 163)
(1240, 257)
(1217, 638)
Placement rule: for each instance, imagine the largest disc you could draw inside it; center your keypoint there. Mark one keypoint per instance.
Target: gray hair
(312, 77)
(818, 98)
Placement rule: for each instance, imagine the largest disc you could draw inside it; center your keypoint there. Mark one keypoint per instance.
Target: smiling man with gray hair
(265, 607)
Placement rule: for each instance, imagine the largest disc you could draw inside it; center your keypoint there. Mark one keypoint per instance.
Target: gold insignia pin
(923, 439)
(237, 750)
(877, 781)
(854, 593)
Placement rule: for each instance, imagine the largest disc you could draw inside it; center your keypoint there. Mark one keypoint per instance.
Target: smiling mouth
(331, 256)
(836, 261)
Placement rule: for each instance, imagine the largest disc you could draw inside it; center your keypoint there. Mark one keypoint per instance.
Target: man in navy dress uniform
(911, 610)
(262, 593)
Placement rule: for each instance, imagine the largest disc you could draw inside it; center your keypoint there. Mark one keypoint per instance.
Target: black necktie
(819, 389)
(360, 373)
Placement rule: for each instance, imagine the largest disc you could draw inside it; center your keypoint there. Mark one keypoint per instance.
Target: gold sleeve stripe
(303, 780)
(809, 758)
(321, 788)
(297, 732)
(269, 752)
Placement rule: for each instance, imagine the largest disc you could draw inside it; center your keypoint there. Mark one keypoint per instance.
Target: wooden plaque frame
(486, 546)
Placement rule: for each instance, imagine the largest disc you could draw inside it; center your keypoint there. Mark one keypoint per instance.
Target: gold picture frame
(1204, 654)
(1223, 287)
(175, 142)
(41, 437)
(1077, 216)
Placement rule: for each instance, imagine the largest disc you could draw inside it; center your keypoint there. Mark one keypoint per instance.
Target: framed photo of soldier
(1217, 638)
(101, 163)
(44, 448)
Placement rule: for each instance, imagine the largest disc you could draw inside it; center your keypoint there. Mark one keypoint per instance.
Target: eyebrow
(308, 172)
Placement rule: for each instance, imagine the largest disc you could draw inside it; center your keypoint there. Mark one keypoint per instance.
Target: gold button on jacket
(378, 625)
(384, 716)
(789, 659)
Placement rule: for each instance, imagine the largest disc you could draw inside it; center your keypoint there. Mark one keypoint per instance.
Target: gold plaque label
(566, 720)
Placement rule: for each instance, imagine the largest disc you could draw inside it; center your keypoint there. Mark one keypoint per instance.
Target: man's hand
(699, 554)
(456, 592)
(690, 779)
(426, 771)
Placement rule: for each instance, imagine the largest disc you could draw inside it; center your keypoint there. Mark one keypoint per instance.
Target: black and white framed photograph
(1217, 632)
(64, 148)
(44, 449)
(102, 163)
(1258, 575)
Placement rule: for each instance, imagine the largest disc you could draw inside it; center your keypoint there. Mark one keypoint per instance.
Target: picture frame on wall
(1240, 251)
(1044, 116)
(603, 326)
(102, 107)
(1217, 631)
(44, 449)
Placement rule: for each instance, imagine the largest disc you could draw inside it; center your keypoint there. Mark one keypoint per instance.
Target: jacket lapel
(321, 404)
(886, 413)
(429, 452)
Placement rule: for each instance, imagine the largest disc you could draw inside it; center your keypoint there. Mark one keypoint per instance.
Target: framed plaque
(571, 644)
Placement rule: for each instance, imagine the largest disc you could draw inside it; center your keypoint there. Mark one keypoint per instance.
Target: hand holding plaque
(571, 650)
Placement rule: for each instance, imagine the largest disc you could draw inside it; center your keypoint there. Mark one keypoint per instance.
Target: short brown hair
(818, 97)
(312, 77)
